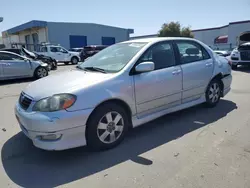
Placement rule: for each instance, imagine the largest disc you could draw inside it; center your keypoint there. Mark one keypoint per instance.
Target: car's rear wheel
(41, 72)
(107, 127)
(213, 93)
(74, 60)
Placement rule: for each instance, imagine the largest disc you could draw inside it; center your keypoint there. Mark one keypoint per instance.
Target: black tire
(54, 65)
(213, 93)
(50, 66)
(94, 133)
(74, 60)
(66, 63)
(40, 72)
(234, 67)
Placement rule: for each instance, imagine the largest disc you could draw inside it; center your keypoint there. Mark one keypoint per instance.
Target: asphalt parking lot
(197, 147)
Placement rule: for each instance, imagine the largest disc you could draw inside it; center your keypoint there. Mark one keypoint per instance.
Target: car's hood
(65, 82)
(28, 53)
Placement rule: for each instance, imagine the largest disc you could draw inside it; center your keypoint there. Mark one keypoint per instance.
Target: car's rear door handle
(6, 64)
(176, 72)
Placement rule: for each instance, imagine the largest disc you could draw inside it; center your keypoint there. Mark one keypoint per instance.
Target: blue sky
(146, 17)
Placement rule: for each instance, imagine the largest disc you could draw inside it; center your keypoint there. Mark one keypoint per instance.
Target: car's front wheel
(107, 127)
(213, 93)
(40, 72)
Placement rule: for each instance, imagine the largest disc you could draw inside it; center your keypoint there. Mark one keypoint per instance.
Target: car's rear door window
(191, 51)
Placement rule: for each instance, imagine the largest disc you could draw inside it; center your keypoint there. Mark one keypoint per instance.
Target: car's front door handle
(6, 64)
(176, 72)
(209, 64)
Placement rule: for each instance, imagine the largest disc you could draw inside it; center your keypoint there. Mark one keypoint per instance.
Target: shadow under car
(28, 166)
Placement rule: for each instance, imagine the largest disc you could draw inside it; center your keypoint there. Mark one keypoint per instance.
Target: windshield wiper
(97, 69)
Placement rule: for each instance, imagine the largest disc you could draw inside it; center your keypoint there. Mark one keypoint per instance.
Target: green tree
(174, 29)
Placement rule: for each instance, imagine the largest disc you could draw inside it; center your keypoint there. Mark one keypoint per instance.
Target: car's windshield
(113, 58)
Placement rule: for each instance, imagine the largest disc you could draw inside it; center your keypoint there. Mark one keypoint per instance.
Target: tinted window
(191, 52)
(17, 51)
(161, 54)
(54, 49)
(7, 56)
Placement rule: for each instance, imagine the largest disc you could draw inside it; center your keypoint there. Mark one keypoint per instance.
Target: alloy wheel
(214, 92)
(110, 127)
(41, 72)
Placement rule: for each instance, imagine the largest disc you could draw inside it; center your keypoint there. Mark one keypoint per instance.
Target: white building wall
(20, 37)
(7, 40)
(235, 30)
(41, 35)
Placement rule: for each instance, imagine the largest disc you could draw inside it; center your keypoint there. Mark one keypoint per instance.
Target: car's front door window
(161, 54)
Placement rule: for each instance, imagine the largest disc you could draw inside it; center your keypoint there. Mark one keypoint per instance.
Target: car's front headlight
(235, 53)
(55, 103)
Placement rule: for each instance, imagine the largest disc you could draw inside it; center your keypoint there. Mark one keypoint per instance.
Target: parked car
(223, 53)
(241, 55)
(91, 50)
(14, 66)
(75, 49)
(60, 54)
(122, 86)
(52, 63)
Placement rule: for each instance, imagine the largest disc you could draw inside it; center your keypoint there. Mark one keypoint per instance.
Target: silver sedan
(14, 66)
(123, 86)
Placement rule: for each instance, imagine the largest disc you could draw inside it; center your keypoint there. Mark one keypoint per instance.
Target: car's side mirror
(145, 67)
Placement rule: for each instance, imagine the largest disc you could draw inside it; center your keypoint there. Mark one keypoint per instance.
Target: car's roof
(158, 39)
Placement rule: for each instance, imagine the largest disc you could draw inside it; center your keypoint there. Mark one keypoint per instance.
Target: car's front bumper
(67, 127)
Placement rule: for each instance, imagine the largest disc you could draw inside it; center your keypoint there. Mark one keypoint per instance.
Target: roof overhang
(25, 26)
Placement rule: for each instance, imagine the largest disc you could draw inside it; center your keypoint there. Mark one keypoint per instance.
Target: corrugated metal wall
(60, 33)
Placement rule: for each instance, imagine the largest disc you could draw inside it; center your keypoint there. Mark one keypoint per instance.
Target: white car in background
(241, 55)
(124, 85)
(60, 54)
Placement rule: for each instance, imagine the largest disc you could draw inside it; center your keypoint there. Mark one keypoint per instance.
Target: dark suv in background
(91, 50)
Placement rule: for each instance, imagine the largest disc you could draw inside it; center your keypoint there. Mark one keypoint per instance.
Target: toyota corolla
(122, 86)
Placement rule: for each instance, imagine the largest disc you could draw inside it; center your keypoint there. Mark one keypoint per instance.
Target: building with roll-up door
(68, 35)
(222, 38)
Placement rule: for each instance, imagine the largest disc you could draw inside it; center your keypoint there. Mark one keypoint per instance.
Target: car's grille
(24, 101)
(245, 55)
